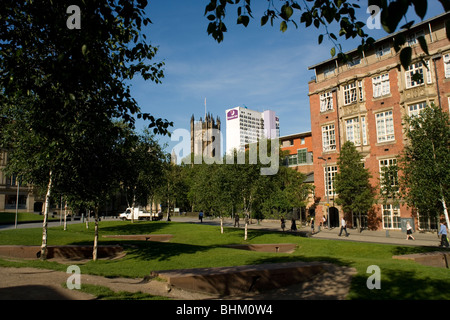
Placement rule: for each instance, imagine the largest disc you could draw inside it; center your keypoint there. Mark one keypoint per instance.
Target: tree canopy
(425, 162)
(322, 14)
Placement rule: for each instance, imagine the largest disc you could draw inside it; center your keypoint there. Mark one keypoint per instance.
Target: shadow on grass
(400, 285)
(412, 250)
(133, 228)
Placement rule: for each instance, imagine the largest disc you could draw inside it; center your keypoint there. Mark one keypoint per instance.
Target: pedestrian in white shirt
(343, 227)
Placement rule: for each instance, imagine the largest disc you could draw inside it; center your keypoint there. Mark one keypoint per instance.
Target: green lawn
(10, 217)
(195, 246)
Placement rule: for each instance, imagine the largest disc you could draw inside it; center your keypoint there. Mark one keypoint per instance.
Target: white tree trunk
(221, 225)
(445, 212)
(94, 252)
(65, 217)
(45, 223)
(245, 233)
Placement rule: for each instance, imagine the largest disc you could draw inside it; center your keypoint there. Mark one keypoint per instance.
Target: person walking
(312, 225)
(443, 233)
(293, 225)
(409, 231)
(324, 222)
(200, 216)
(343, 227)
(236, 219)
(283, 223)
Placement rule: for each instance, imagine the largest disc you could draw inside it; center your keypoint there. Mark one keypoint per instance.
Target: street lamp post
(326, 190)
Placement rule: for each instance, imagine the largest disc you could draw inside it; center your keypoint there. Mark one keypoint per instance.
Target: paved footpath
(380, 236)
(395, 237)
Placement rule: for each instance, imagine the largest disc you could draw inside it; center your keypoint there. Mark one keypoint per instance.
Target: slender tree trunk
(45, 223)
(444, 205)
(94, 252)
(134, 205)
(65, 217)
(245, 233)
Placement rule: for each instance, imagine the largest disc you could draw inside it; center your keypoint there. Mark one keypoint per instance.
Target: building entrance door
(334, 217)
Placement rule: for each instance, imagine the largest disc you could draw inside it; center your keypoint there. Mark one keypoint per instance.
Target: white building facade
(245, 126)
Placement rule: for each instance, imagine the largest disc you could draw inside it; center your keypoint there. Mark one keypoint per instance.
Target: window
(385, 126)
(387, 175)
(361, 95)
(411, 39)
(292, 160)
(383, 50)
(381, 85)
(302, 141)
(350, 95)
(391, 216)
(301, 156)
(415, 74)
(354, 62)
(354, 134)
(416, 109)
(329, 70)
(326, 101)
(330, 173)
(447, 65)
(328, 138)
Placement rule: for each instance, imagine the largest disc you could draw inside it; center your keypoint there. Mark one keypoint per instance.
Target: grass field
(10, 217)
(196, 246)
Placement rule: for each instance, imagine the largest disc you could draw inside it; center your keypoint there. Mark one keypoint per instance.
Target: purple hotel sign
(232, 114)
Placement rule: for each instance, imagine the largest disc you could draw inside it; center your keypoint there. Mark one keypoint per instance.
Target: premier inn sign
(232, 114)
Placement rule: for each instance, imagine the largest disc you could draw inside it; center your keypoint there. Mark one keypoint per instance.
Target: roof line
(384, 38)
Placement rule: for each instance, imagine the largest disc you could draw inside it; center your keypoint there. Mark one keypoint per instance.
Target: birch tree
(425, 163)
(59, 77)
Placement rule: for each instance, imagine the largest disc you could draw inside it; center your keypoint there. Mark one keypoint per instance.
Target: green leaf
(320, 38)
(333, 51)
(423, 44)
(288, 11)
(84, 49)
(447, 29)
(405, 57)
(420, 6)
(283, 26)
(243, 20)
(264, 20)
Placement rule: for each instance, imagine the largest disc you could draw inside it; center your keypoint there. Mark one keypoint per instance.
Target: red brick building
(364, 101)
(299, 147)
(299, 157)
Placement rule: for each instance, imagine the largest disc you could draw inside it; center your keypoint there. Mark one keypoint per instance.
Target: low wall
(70, 252)
(142, 237)
(241, 279)
(277, 248)
(439, 259)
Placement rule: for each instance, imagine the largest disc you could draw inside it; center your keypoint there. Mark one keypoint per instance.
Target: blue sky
(258, 67)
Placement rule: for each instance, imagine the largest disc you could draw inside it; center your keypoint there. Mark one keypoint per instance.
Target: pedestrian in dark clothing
(283, 223)
(409, 231)
(200, 216)
(236, 220)
(293, 225)
(312, 225)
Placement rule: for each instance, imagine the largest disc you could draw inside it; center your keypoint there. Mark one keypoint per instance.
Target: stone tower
(205, 136)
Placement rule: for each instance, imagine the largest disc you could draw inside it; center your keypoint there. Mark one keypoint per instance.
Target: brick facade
(365, 102)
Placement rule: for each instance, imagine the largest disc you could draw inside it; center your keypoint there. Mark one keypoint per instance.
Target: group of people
(443, 233)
